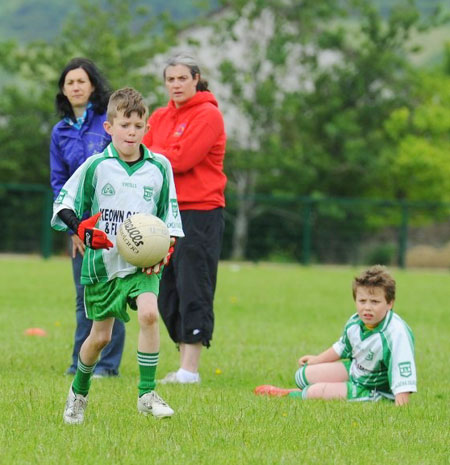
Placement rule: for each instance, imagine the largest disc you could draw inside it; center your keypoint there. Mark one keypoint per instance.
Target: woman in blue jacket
(81, 102)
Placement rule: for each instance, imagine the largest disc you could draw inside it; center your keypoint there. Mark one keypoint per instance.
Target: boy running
(123, 180)
(373, 359)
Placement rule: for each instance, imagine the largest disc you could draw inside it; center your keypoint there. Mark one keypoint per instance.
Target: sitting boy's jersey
(382, 358)
(105, 183)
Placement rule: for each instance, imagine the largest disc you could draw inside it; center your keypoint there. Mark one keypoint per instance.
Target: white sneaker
(152, 403)
(75, 406)
(173, 378)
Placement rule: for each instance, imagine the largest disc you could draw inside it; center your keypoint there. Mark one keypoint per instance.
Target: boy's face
(126, 134)
(371, 304)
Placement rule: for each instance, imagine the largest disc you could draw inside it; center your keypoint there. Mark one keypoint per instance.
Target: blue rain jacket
(69, 147)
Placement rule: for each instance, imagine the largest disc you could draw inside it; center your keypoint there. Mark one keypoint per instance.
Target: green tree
(316, 84)
(418, 155)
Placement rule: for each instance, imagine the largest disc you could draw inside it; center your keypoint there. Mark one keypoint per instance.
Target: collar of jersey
(111, 152)
(382, 325)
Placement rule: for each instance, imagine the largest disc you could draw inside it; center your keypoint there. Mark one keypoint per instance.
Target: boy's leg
(334, 372)
(322, 381)
(83, 324)
(148, 356)
(325, 391)
(76, 402)
(148, 341)
(98, 338)
(111, 356)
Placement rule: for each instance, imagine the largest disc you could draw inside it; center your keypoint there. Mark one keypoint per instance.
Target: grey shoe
(152, 403)
(75, 406)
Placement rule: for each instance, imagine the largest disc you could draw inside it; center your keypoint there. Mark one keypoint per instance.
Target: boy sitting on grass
(373, 359)
(125, 179)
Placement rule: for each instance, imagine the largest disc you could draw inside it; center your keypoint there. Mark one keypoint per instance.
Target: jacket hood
(199, 98)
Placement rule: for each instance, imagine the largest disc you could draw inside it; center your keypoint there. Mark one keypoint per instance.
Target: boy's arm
(329, 355)
(86, 230)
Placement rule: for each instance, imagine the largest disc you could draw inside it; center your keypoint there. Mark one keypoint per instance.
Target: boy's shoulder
(397, 324)
(96, 158)
(88, 167)
(155, 156)
(353, 320)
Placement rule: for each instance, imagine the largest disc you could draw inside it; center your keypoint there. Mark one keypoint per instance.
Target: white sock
(185, 376)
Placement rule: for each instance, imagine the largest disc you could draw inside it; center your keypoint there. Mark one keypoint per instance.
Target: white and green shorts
(110, 299)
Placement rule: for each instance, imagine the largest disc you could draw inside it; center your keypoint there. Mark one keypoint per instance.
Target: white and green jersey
(105, 183)
(382, 358)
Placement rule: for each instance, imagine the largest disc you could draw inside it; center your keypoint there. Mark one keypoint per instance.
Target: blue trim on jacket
(70, 147)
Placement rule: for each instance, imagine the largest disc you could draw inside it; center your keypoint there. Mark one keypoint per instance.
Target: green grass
(266, 317)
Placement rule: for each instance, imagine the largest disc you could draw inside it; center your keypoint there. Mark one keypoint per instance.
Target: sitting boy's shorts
(359, 393)
(110, 299)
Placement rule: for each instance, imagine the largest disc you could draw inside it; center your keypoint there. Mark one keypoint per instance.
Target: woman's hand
(77, 246)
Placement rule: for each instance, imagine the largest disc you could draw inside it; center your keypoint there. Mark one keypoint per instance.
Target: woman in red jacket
(190, 132)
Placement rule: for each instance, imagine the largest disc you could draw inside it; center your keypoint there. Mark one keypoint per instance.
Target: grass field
(266, 317)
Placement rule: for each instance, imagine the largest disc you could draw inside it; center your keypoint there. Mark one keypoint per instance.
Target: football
(143, 240)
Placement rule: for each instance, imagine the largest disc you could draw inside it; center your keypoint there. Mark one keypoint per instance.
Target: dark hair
(127, 100)
(187, 60)
(376, 276)
(100, 95)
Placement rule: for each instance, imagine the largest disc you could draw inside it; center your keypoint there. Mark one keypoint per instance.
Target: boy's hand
(402, 398)
(307, 359)
(91, 236)
(155, 269)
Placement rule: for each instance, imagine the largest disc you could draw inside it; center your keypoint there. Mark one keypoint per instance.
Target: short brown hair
(376, 276)
(127, 100)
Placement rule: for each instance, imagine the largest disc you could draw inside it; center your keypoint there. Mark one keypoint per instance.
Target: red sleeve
(199, 137)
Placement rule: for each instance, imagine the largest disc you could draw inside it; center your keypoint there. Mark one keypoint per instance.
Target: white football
(143, 240)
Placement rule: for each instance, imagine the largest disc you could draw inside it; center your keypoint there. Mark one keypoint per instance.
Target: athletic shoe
(172, 378)
(70, 371)
(75, 406)
(268, 390)
(105, 374)
(152, 403)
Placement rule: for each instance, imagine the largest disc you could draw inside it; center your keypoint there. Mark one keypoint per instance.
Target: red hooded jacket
(193, 138)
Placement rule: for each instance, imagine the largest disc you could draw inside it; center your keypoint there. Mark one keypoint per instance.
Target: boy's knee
(148, 316)
(101, 340)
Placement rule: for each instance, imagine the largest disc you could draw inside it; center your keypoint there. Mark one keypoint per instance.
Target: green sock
(147, 370)
(82, 380)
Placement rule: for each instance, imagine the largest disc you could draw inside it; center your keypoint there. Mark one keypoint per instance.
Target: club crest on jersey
(180, 129)
(370, 355)
(148, 193)
(174, 205)
(405, 369)
(108, 189)
(61, 196)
